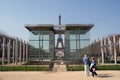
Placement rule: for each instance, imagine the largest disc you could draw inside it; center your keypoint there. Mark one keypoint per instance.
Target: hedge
(99, 67)
(24, 68)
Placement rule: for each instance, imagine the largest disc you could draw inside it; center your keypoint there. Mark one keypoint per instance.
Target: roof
(59, 28)
(79, 26)
(31, 27)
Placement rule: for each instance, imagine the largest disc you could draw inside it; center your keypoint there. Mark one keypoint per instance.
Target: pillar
(8, 51)
(115, 53)
(102, 52)
(23, 51)
(13, 54)
(119, 46)
(99, 48)
(3, 51)
(105, 46)
(20, 46)
(92, 49)
(16, 51)
(95, 48)
(110, 49)
(26, 52)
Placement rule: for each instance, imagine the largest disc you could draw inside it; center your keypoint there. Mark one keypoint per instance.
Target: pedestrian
(86, 65)
(93, 67)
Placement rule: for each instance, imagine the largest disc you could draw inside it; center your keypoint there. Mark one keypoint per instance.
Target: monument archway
(42, 41)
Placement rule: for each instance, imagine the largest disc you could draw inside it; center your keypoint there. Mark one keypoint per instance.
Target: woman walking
(93, 67)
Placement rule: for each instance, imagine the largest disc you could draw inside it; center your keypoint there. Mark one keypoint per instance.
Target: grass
(99, 67)
(108, 67)
(24, 68)
(46, 68)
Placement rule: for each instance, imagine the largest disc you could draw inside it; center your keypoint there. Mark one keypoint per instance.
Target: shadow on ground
(104, 75)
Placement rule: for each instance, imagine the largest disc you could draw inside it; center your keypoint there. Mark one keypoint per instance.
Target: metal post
(95, 49)
(26, 52)
(16, 51)
(8, 51)
(101, 44)
(39, 45)
(23, 51)
(105, 49)
(42, 45)
(110, 49)
(115, 53)
(3, 51)
(20, 50)
(76, 45)
(92, 49)
(98, 50)
(119, 46)
(13, 55)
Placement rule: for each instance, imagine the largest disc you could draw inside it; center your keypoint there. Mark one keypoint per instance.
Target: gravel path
(75, 75)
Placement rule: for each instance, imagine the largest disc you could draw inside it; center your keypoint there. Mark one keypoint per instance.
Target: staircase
(59, 67)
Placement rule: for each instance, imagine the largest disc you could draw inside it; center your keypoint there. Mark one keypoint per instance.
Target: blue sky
(104, 14)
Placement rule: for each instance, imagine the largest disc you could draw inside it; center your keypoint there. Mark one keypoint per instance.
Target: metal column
(13, 55)
(101, 44)
(115, 53)
(8, 51)
(24, 51)
(3, 51)
(16, 51)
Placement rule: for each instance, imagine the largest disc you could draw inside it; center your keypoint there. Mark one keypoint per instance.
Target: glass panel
(45, 44)
(73, 50)
(35, 44)
(76, 40)
(45, 37)
(33, 35)
(84, 43)
(73, 44)
(41, 44)
(85, 36)
(72, 37)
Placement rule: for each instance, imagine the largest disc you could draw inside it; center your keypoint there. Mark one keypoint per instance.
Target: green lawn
(46, 68)
(24, 68)
(99, 67)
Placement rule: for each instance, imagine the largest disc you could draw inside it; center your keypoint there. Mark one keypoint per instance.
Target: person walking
(93, 67)
(86, 65)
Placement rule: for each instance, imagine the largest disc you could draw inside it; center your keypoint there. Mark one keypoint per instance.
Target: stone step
(59, 68)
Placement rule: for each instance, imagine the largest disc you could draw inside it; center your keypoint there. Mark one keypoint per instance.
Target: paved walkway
(69, 75)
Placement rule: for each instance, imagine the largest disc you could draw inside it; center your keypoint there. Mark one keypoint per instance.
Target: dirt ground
(70, 75)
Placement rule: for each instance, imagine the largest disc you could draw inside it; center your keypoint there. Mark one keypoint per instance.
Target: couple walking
(89, 66)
